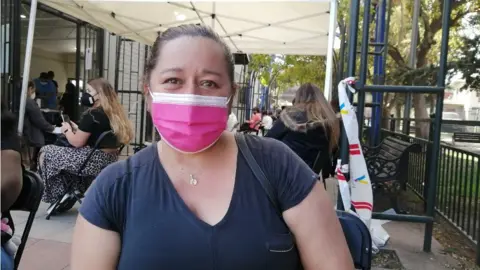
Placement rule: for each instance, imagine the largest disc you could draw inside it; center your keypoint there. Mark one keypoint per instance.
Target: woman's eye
(172, 81)
(209, 84)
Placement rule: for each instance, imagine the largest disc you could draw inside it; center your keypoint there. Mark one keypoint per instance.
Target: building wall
(43, 61)
(130, 65)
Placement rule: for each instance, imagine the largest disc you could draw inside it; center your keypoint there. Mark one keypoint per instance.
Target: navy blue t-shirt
(158, 231)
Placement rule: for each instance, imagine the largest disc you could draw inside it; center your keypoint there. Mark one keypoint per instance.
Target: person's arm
(11, 178)
(83, 130)
(304, 220)
(87, 254)
(277, 131)
(100, 222)
(36, 117)
(308, 212)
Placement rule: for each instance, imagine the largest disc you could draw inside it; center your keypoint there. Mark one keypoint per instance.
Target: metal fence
(457, 198)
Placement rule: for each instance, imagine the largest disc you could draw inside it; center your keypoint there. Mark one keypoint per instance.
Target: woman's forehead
(90, 88)
(192, 53)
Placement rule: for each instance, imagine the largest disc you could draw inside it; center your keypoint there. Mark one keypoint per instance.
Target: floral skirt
(59, 158)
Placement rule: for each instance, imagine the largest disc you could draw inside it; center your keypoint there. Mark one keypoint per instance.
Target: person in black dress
(105, 113)
(67, 103)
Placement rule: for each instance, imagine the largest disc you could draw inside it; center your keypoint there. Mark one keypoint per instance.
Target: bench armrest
(381, 169)
(370, 150)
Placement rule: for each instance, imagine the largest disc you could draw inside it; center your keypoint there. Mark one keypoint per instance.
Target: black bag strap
(257, 171)
(128, 168)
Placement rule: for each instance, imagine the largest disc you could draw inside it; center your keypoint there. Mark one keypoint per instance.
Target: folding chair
(29, 201)
(358, 239)
(72, 195)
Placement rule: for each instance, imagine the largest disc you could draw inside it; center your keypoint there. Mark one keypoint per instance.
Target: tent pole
(330, 47)
(26, 65)
(213, 15)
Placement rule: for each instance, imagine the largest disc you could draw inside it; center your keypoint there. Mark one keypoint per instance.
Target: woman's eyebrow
(211, 72)
(167, 70)
(202, 72)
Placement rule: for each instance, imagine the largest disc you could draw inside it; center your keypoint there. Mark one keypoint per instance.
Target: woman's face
(191, 65)
(90, 90)
(31, 91)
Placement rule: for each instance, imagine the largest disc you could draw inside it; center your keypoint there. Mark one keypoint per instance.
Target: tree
(427, 51)
(468, 55)
(288, 71)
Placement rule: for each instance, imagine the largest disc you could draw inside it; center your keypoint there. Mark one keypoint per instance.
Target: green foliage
(468, 55)
(289, 70)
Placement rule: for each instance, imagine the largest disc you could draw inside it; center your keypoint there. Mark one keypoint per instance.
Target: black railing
(458, 184)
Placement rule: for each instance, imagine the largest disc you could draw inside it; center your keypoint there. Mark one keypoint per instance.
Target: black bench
(468, 137)
(387, 166)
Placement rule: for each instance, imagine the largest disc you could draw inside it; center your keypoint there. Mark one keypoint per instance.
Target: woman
(310, 128)
(11, 179)
(67, 103)
(105, 113)
(256, 120)
(191, 201)
(35, 125)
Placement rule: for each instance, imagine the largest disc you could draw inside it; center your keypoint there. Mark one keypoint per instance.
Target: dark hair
(31, 84)
(70, 87)
(256, 110)
(264, 112)
(283, 107)
(43, 75)
(51, 74)
(187, 30)
(9, 121)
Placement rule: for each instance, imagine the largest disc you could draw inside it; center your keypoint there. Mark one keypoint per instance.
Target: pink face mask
(189, 123)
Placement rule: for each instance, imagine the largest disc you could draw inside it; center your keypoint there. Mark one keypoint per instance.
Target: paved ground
(49, 245)
(406, 239)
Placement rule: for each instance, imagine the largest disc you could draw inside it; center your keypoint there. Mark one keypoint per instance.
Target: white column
(26, 65)
(331, 41)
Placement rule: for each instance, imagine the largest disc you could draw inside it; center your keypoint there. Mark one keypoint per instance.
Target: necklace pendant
(193, 181)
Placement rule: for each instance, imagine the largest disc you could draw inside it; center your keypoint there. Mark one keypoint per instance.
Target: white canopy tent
(269, 27)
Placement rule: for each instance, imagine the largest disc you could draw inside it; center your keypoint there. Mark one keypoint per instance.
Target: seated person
(254, 123)
(232, 122)
(11, 178)
(267, 122)
(67, 103)
(309, 127)
(105, 114)
(35, 126)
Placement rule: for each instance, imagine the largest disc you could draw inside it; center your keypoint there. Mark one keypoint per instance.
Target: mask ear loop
(228, 100)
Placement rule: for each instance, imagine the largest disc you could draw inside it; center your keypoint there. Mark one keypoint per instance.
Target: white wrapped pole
(361, 194)
(357, 192)
(26, 65)
(330, 47)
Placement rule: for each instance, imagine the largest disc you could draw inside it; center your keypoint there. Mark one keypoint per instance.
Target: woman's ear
(146, 95)
(232, 96)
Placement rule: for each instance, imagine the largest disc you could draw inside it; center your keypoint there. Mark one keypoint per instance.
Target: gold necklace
(193, 180)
